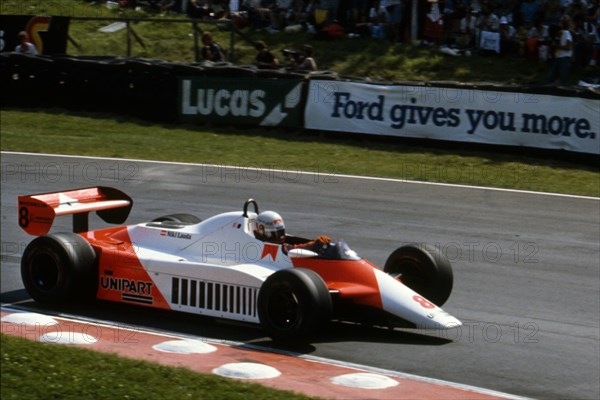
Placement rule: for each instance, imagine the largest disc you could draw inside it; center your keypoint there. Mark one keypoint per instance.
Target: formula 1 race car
(218, 267)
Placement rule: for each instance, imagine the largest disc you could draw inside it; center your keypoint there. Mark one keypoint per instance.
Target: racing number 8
(421, 300)
(23, 217)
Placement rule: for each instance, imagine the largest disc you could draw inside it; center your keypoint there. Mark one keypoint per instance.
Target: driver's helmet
(269, 227)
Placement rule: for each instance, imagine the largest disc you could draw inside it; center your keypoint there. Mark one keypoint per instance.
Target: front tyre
(424, 269)
(59, 267)
(293, 304)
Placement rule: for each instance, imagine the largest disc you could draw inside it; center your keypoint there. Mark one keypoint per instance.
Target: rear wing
(37, 211)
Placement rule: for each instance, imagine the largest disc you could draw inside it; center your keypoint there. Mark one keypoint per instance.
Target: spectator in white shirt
(563, 53)
(25, 47)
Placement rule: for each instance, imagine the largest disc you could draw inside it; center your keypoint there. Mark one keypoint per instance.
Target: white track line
(328, 175)
(322, 360)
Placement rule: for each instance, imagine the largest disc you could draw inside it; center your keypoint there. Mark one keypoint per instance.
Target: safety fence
(226, 94)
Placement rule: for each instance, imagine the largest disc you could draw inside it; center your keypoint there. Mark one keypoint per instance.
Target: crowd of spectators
(529, 28)
(526, 28)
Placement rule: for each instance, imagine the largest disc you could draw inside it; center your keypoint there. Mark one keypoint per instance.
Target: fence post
(196, 51)
(231, 41)
(128, 24)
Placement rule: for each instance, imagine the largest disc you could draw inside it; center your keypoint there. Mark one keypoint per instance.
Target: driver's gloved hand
(323, 239)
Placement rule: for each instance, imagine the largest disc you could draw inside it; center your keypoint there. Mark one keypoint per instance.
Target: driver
(269, 227)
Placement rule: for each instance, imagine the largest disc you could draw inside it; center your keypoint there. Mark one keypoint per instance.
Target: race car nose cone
(403, 302)
(439, 319)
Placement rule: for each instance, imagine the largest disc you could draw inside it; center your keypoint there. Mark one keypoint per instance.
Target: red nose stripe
(354, 279)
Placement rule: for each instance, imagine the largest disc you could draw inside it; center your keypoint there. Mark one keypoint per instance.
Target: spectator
(161, 5)
(331, 6)
(552, 11)
(489, 30)
(577, 7)
(563, 52)
(355, 13)
(509, 43)
(25, 47)
(393, 9)
(376, 11)
(258, 13)
(319, 13)
(538, 30)
(583, 39)
(220, 9)
(594, 12)
(297, 18)
(433, 29)
(264, 58)
(536, 47)
(306, 61)
(490, 21)
(475, 6)
(127, 4)
(377, 25)
(595, 58)
(281, 11)
(200, 9)
(467, 33)
(529, 12)
(453, 12)
(211, 50)
(508, 9)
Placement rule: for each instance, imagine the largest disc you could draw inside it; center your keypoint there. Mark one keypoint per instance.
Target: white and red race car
(217, 267)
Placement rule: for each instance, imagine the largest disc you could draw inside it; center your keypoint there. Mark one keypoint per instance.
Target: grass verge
(55, 131)
(48, 371)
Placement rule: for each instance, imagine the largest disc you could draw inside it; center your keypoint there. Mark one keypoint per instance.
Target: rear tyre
(424, 269)
(60, 267)
(293, 304)
(185, 218)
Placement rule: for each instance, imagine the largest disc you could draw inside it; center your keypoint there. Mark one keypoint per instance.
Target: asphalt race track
(526, 266)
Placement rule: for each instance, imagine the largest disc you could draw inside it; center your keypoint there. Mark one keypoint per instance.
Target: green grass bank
(56, 131)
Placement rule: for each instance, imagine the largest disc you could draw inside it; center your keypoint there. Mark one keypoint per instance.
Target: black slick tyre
(59, 268)
(293, 304)
(424, 269)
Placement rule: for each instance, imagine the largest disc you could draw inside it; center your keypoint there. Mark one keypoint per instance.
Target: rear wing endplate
(37, 211)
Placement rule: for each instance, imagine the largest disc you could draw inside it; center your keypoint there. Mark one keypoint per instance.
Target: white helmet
(269, 227)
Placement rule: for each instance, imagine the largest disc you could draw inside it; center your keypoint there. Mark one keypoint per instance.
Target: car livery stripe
(214, 296)
(137, 299)
(121, 276)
